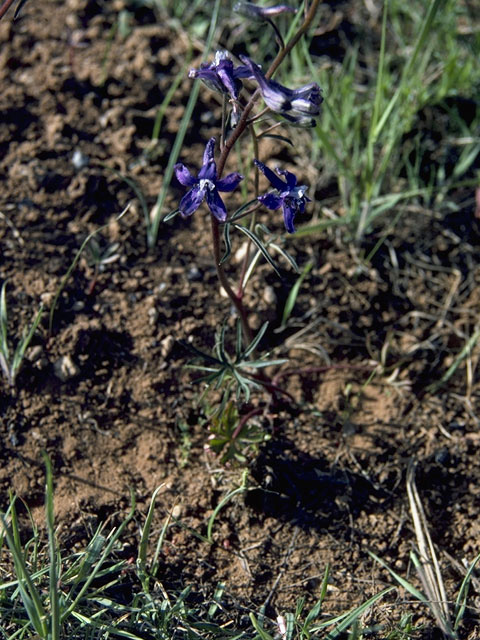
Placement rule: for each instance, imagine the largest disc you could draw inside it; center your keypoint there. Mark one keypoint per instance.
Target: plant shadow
(308, 491)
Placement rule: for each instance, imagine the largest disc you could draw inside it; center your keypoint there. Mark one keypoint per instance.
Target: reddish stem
(5, 7)
(243, 421)
(225, 152)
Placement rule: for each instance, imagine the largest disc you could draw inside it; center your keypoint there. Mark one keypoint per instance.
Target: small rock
(240, 253)
(194, 274)
(177, 511)
(79, 160)
(166, 346)
(65, 368)
(269, 295)
(152, 315)
(34, 353)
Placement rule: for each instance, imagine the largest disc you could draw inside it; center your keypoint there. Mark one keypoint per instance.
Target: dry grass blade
(427, 565)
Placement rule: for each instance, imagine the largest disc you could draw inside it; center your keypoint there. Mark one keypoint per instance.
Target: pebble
(65, 368)
(240, 253)
(34, 353)
(269, 295)
(194, 274)
(166, 346)
(79, 159)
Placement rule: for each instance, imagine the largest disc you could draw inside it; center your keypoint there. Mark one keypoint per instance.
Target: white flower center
(221, 55)
(206, 184)
(298, 192)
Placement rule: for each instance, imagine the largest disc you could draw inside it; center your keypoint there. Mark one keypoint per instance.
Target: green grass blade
(96, 570)
(262, 634)
(401, 581)
(23, 345)
(461, 600)
(53, 553)
(142, 549)
(434, 7)
(292, 296)
(153, 226)
(28, 592)
(3, 323)
(242, 488)
(345, 621)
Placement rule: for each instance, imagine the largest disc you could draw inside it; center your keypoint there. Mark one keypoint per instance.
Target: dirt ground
(107, 394)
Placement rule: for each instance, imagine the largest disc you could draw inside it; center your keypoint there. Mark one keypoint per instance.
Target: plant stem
(228, 145)
(253, 218)
(5, 7)
(222, 276)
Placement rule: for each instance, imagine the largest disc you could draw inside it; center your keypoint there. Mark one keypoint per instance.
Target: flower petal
(216, 206)
(208, 76)
(250, 10)
(276, 96)
(208, 155)
(291, 178)
(271, 201)
(191, 201)
(183, 175)
(307, 100)
(208, 171)
(268, 173)
(230, 182)
(226, 75)
(289, 211)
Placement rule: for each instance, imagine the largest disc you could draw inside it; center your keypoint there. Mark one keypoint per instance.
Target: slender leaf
(258, 243)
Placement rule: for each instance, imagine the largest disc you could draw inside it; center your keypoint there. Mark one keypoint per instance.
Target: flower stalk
(229, 143)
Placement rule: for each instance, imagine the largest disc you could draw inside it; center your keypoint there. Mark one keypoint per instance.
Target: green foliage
(10, 365)
(232, 434)
(422, 61)
(237, 371)
(449, 625)
(300, 626)
(49, 593)
(154, 220)
(292, 296)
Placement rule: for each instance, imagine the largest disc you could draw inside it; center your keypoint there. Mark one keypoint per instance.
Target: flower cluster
(299, 106)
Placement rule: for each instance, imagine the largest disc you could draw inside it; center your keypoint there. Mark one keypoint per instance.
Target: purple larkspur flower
(298, 106)
(221, 75)
(290, 196)
(205, 186)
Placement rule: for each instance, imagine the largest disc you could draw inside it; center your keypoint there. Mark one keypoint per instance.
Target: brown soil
(330, 484)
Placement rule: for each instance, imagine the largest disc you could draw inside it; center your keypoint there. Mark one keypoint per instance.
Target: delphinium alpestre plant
(245, 114)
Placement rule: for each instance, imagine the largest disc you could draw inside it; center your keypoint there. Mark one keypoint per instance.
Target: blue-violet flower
(221, 75)
(298, 106)
(289, 196)
(205, 186)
